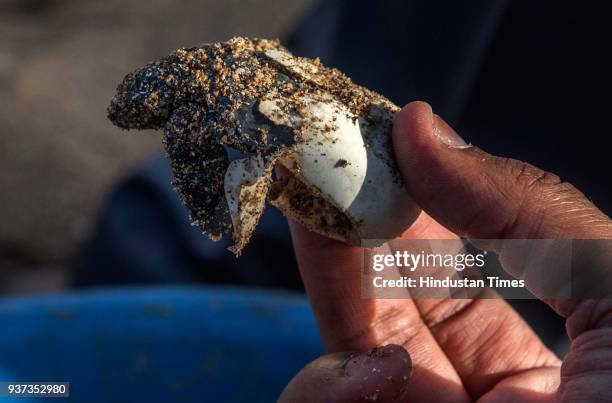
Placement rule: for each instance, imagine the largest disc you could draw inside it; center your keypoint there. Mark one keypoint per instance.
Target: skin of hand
(454, 350)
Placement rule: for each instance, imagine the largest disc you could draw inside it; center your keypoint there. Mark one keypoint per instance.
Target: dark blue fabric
(188, 344)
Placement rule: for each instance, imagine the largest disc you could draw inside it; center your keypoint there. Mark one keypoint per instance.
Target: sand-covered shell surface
(253, 96)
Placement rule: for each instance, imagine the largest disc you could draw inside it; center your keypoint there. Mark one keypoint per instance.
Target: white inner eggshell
(334, 158)
(321, 150)
(246, 184)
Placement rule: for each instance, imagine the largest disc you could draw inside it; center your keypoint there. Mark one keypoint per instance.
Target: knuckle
(391, 325)
(445, 311)
(542, 204)
(527, 176)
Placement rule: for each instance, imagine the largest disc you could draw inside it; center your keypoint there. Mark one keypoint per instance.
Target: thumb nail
(380, 374)
(445, 134)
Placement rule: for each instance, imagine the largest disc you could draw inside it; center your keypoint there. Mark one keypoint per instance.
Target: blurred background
(83, 204)
(524, 80)
(60, 62)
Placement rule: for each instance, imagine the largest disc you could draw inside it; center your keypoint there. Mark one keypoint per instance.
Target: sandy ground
(60, 61)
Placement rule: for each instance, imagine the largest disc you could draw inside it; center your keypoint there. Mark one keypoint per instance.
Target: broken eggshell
(254, 96)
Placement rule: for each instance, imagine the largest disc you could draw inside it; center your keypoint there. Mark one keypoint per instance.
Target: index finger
(331, 272)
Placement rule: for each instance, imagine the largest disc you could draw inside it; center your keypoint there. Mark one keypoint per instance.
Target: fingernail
(444, 133)
(381, 374)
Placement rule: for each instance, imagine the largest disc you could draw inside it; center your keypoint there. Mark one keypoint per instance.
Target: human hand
(459, 350)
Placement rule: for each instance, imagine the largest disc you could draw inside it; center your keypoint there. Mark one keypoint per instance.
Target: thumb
(478, 195)
(380, 374)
